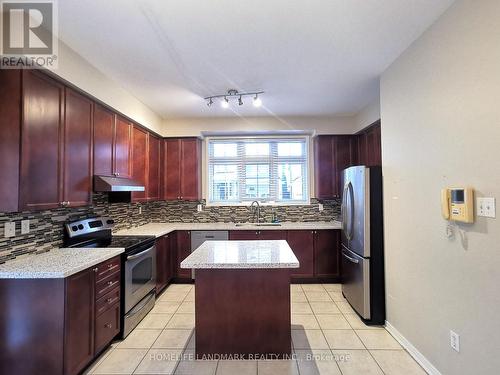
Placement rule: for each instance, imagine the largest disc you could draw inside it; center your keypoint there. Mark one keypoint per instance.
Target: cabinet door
(154, 168)
(326, 253)
(79, 321)
(10, 138)
(104, 124)
(272, 234)
(77, 149)
(190, 169)
(243, 235)
(183, 251)
(373, 147)
(323, 167)
(122, 148)
(163, 264)
(344, 148)
(41, 177)
(172, 173)
(362, 153)
(140, 162)
(301, 242)
(107, 326)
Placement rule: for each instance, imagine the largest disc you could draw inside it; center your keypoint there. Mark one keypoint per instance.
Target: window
(241, 170)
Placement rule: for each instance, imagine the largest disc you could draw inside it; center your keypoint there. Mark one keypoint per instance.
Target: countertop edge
(31, 274)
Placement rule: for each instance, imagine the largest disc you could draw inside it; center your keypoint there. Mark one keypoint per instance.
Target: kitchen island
(242, 298)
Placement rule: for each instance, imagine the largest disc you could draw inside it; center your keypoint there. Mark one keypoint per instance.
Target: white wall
(367, 116)
(440, 106)
(321, 125)
(78, 71)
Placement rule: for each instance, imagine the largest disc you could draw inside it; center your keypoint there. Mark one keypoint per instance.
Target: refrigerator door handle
(343, 208)
(349, 258)
(350, 196)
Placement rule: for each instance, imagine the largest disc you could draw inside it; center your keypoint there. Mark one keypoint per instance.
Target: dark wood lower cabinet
(183, 242)
(302, 244)
(79, 321)
(326, 253)
(163, 262)
(57, 326)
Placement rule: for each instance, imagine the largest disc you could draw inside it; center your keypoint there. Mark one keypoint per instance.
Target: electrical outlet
(199, 208)
(140, 210)
(9, 230)
(486, 207)
(25, 226)
(455, 341)
(320, 206)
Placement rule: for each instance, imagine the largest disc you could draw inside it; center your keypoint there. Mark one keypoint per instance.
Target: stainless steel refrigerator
(362, 242)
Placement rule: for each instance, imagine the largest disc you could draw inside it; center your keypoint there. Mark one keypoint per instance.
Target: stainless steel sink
(257, 225)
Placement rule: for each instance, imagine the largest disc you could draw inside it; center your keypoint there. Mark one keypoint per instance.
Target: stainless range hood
(115, 184)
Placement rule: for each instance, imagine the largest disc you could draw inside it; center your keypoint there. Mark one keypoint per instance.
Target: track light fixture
(232, 93)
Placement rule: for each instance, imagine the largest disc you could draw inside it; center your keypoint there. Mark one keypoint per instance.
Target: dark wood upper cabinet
(10, 138)
(302, 244)
(79, 321)
(326, 253)
(41, 142)
(154, 168)
(369, 146)
(182, 169)
(77, 169)
(333, 153)
(140, 160)
(323, 167)
(104, 127)
(172, 171)
(123, 148)
(190, 169)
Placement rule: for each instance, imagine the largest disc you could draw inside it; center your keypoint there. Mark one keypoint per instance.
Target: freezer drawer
(356, 281)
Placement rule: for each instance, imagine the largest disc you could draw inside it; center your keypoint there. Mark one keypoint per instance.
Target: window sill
(262, 204)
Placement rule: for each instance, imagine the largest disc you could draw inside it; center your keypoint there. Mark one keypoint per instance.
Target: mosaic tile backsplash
(46, 227)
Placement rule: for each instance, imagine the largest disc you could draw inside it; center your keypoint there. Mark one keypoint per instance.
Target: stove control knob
(110, 221)
(74, 228)
(80, 226)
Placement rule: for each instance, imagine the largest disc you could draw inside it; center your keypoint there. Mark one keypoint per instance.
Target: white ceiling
(314, 57)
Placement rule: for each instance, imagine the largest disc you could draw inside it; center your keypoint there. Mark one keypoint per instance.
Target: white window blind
(265, 169)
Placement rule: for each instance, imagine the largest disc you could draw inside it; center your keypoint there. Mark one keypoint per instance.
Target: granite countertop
(242, 254)
(57, 263)
(160, 229)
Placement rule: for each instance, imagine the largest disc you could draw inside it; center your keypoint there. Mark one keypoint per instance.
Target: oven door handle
(135, 256)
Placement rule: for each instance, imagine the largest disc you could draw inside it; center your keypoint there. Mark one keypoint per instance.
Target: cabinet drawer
(107, 268)
(106, 302)
(106, 285)
(107, 326)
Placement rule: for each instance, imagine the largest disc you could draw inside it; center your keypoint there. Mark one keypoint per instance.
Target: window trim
(308, 159)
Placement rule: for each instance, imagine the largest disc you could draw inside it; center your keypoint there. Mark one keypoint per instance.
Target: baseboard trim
(419, 357)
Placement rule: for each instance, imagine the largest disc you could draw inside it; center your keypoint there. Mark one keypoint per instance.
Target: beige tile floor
(327, 338)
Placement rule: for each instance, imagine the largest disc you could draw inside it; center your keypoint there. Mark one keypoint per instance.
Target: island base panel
(244, 312)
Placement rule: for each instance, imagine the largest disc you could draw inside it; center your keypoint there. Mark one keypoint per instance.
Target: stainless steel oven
(139, 286)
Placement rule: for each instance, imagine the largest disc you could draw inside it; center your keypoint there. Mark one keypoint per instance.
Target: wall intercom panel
(457, 204)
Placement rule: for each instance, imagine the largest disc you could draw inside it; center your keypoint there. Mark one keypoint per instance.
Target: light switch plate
(10, 230)
(199, 208)
(486, 207)
(320, 206)
(25, 226)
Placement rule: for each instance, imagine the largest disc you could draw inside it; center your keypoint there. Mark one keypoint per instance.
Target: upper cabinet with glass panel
(241, 170)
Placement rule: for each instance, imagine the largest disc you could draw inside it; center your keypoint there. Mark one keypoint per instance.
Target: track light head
(257, 102)
(210, 102)
(224, 103)
(240, 102)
